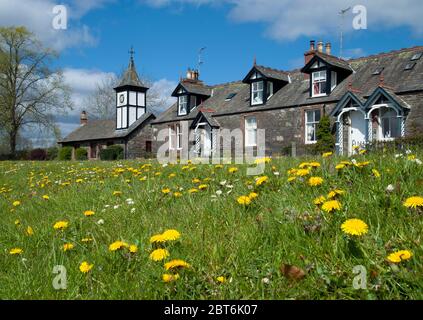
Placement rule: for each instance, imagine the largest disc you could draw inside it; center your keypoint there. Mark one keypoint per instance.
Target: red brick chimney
(83, 118)
(328, 48)
(310, 53)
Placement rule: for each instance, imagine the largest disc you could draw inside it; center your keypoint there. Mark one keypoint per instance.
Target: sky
(167, 35)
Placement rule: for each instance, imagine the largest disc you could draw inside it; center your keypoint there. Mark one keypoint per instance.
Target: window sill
(310, 142)
(319, 95)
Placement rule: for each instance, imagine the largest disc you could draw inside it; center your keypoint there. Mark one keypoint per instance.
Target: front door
(358, 130)
(205, 141)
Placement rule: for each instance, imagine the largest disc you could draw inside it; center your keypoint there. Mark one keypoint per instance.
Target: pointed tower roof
(130, 77)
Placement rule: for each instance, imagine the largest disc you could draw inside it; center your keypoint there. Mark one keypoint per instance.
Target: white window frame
(270, 89)
(181, 103)
(255, 89)
(178, 137)
(247, 129)
(380, 127)
(333, 80)
(314, 123)
(320, 79)
(172, 133)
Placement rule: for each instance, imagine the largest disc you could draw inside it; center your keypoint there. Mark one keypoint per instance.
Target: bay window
(389, 124)
(257, 93)
(250, 132)
(319, 83)
(312, 119)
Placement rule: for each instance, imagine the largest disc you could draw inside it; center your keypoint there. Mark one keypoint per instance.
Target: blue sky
(167, 35)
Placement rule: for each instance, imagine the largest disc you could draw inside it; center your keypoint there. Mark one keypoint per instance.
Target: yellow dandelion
(89, 213)
(177, 194)
(333, 193)
(117, 193)
(244, 200)
(355, 227)
(17, 222)
(158, 238)
(340, 166)
(165, 190)
(68, 246)
(398, 256)
(327, 154)
(315, 181)
(117, 245)
(46, 197)
(233, 170)
(85, 267)
(196, 180)
(314, 164)
(302, 172)
(319, 200)
(86, 240)
(61, 225)
(291, 179)
(253, 195)
(16, 203)
(262, 160)
(171, 235)
(172, 175)
(376, 173)
(261, 180)
(176, 264)
(331, 205)
(170, 277)
(193, 190)
(202, 187)
(159, 254)
(15, 251)
(29, 231)
(221, 279)
(303, 165)
(414, 202)
(218, 166)
(133, 248)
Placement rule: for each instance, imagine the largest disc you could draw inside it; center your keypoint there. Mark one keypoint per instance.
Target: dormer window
(257, 93)
(319, 83)
(182, 105)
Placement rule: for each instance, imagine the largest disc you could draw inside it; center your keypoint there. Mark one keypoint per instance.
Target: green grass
(219, 237)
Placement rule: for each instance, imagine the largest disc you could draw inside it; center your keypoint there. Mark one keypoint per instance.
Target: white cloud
(290, 19)
(164, 88)
(37, 16)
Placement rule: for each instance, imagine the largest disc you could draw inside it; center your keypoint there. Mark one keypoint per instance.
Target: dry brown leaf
(292, 272)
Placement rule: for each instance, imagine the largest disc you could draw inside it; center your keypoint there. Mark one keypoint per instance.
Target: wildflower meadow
(321, 227)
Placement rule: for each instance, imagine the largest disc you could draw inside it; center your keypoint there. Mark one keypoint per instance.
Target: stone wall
(139, 141)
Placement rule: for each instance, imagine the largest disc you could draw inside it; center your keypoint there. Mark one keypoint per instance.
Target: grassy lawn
(277, 245)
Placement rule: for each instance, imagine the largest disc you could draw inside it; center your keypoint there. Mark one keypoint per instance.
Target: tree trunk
(12, 144)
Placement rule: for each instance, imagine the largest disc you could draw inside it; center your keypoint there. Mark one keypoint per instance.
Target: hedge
(65, 153)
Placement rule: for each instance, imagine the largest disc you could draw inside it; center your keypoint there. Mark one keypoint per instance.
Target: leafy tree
(325, 138)
(31, 92)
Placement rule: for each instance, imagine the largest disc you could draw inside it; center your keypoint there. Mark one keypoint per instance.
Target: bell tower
(131, 97)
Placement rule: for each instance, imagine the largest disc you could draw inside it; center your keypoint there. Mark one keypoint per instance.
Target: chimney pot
(320, 46)
(83, 118)
(328, 48)
(312, 43)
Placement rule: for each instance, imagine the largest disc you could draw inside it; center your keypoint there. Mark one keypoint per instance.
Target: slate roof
(297, 92)
(130, 77)
(194, 87)
(103, 130)
(273, 73)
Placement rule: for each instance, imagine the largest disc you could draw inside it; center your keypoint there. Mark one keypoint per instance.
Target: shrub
(114, 152)
(52, 153)
(81, 154)
(65, 153)
(37, 154)
(325, 139)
